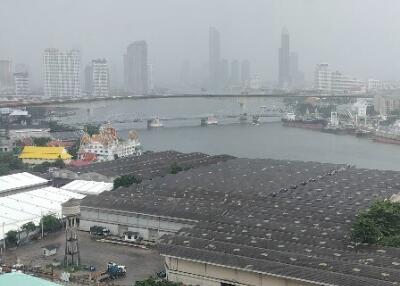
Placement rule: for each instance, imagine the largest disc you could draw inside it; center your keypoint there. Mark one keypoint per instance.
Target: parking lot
(140, 263)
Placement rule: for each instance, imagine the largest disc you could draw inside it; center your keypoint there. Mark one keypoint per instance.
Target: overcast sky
(357, 37)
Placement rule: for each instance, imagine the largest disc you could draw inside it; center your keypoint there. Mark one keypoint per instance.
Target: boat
(388, 134)
(210, 120)
(243, 117)
(154, 123)
(363, 133)
(308, 122)
(256, 120)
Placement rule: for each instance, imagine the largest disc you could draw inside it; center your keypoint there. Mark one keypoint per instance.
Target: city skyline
(317, 38)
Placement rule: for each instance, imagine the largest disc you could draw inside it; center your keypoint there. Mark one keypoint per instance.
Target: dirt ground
(140, 263)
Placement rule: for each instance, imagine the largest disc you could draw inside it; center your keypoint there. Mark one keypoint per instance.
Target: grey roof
(283, 218)
(151, 164)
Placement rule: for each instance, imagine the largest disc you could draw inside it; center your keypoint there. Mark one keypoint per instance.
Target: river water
(268, 140)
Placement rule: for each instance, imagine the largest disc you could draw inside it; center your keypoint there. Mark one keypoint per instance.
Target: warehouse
(20, 182)
(146, 166)
(256, 222)
(87, 187)
(18, 209)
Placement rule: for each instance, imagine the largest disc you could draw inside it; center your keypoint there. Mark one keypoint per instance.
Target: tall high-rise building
(224, 72)
(21, 82)
(214, 60)
(150, 77)
(61, 73)
(245, 72)
(235, 72)
(6, 75)
(100, 78)
(284, 60)
(88, 84)
(136, 68)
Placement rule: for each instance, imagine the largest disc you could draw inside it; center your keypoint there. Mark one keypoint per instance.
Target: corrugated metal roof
(18, 209)
(20, 279)
(20, 181)
(87, 187)
(34, 152)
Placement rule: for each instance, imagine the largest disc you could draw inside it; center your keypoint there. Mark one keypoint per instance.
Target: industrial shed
(18, 209)
(20, 181)
(87, 187)
(256, 222)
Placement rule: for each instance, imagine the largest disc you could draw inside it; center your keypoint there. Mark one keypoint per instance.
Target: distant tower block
(72, 255)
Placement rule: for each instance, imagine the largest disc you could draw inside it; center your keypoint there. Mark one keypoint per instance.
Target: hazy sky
(357, 37)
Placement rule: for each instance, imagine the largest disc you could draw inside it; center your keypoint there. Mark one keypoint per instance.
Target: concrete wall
(203, 274)
(150, 227)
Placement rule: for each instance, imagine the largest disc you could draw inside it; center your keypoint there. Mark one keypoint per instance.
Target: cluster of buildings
(13, 82)
(222, 73)
(289, 75)
(223, 220)
(230, 221)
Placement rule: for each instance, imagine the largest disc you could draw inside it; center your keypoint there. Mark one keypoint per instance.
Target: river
(268, 140)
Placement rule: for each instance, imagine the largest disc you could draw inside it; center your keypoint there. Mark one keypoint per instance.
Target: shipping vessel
(308, 122)
(154, 123)
(210, 120)
(388, 134)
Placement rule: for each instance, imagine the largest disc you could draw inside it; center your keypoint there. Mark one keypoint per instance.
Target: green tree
(42, 168)
(156, 282)
(379, 224)
(91, 129)
(59, 163)
(41, 141)
(175, 168)
(50, 223)
(11, 238)
(29, 226)
(126, 181)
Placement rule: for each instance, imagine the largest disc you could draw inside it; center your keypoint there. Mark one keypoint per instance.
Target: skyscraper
(21, 81)
(235, 72)
(214, 61)
(224, 72)
(88, 74)
(100, 78)
(136, 68)
(284, 60)
(61, 73)
(245, 72)
(6, 76)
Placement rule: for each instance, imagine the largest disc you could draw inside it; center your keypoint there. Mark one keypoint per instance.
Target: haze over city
(199, 142)
(355, 37)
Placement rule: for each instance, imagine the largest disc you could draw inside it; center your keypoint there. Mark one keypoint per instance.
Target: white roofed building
(18, 209)
(87, 187)
(20, 182)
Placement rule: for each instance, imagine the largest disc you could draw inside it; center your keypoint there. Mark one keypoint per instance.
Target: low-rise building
(107, 146)
(38, 155)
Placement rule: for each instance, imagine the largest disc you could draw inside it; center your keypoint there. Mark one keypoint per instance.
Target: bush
(41, 141)
(29, 227)
(91, 129)
(380, 224)
(175, 168)
(126, 181)
(11, 238)
(50, 223)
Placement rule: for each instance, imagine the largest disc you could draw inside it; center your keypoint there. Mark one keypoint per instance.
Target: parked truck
(99, 231)
(113, 271)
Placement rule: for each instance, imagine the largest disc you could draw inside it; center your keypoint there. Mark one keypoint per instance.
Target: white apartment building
(61, 73)
(100, 78)
(329, 82)
(21, 81)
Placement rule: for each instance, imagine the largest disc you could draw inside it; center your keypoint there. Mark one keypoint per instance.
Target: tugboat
(291, 120)
(210, 120)
(243, 117)
(256, 120)
(154, 123)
